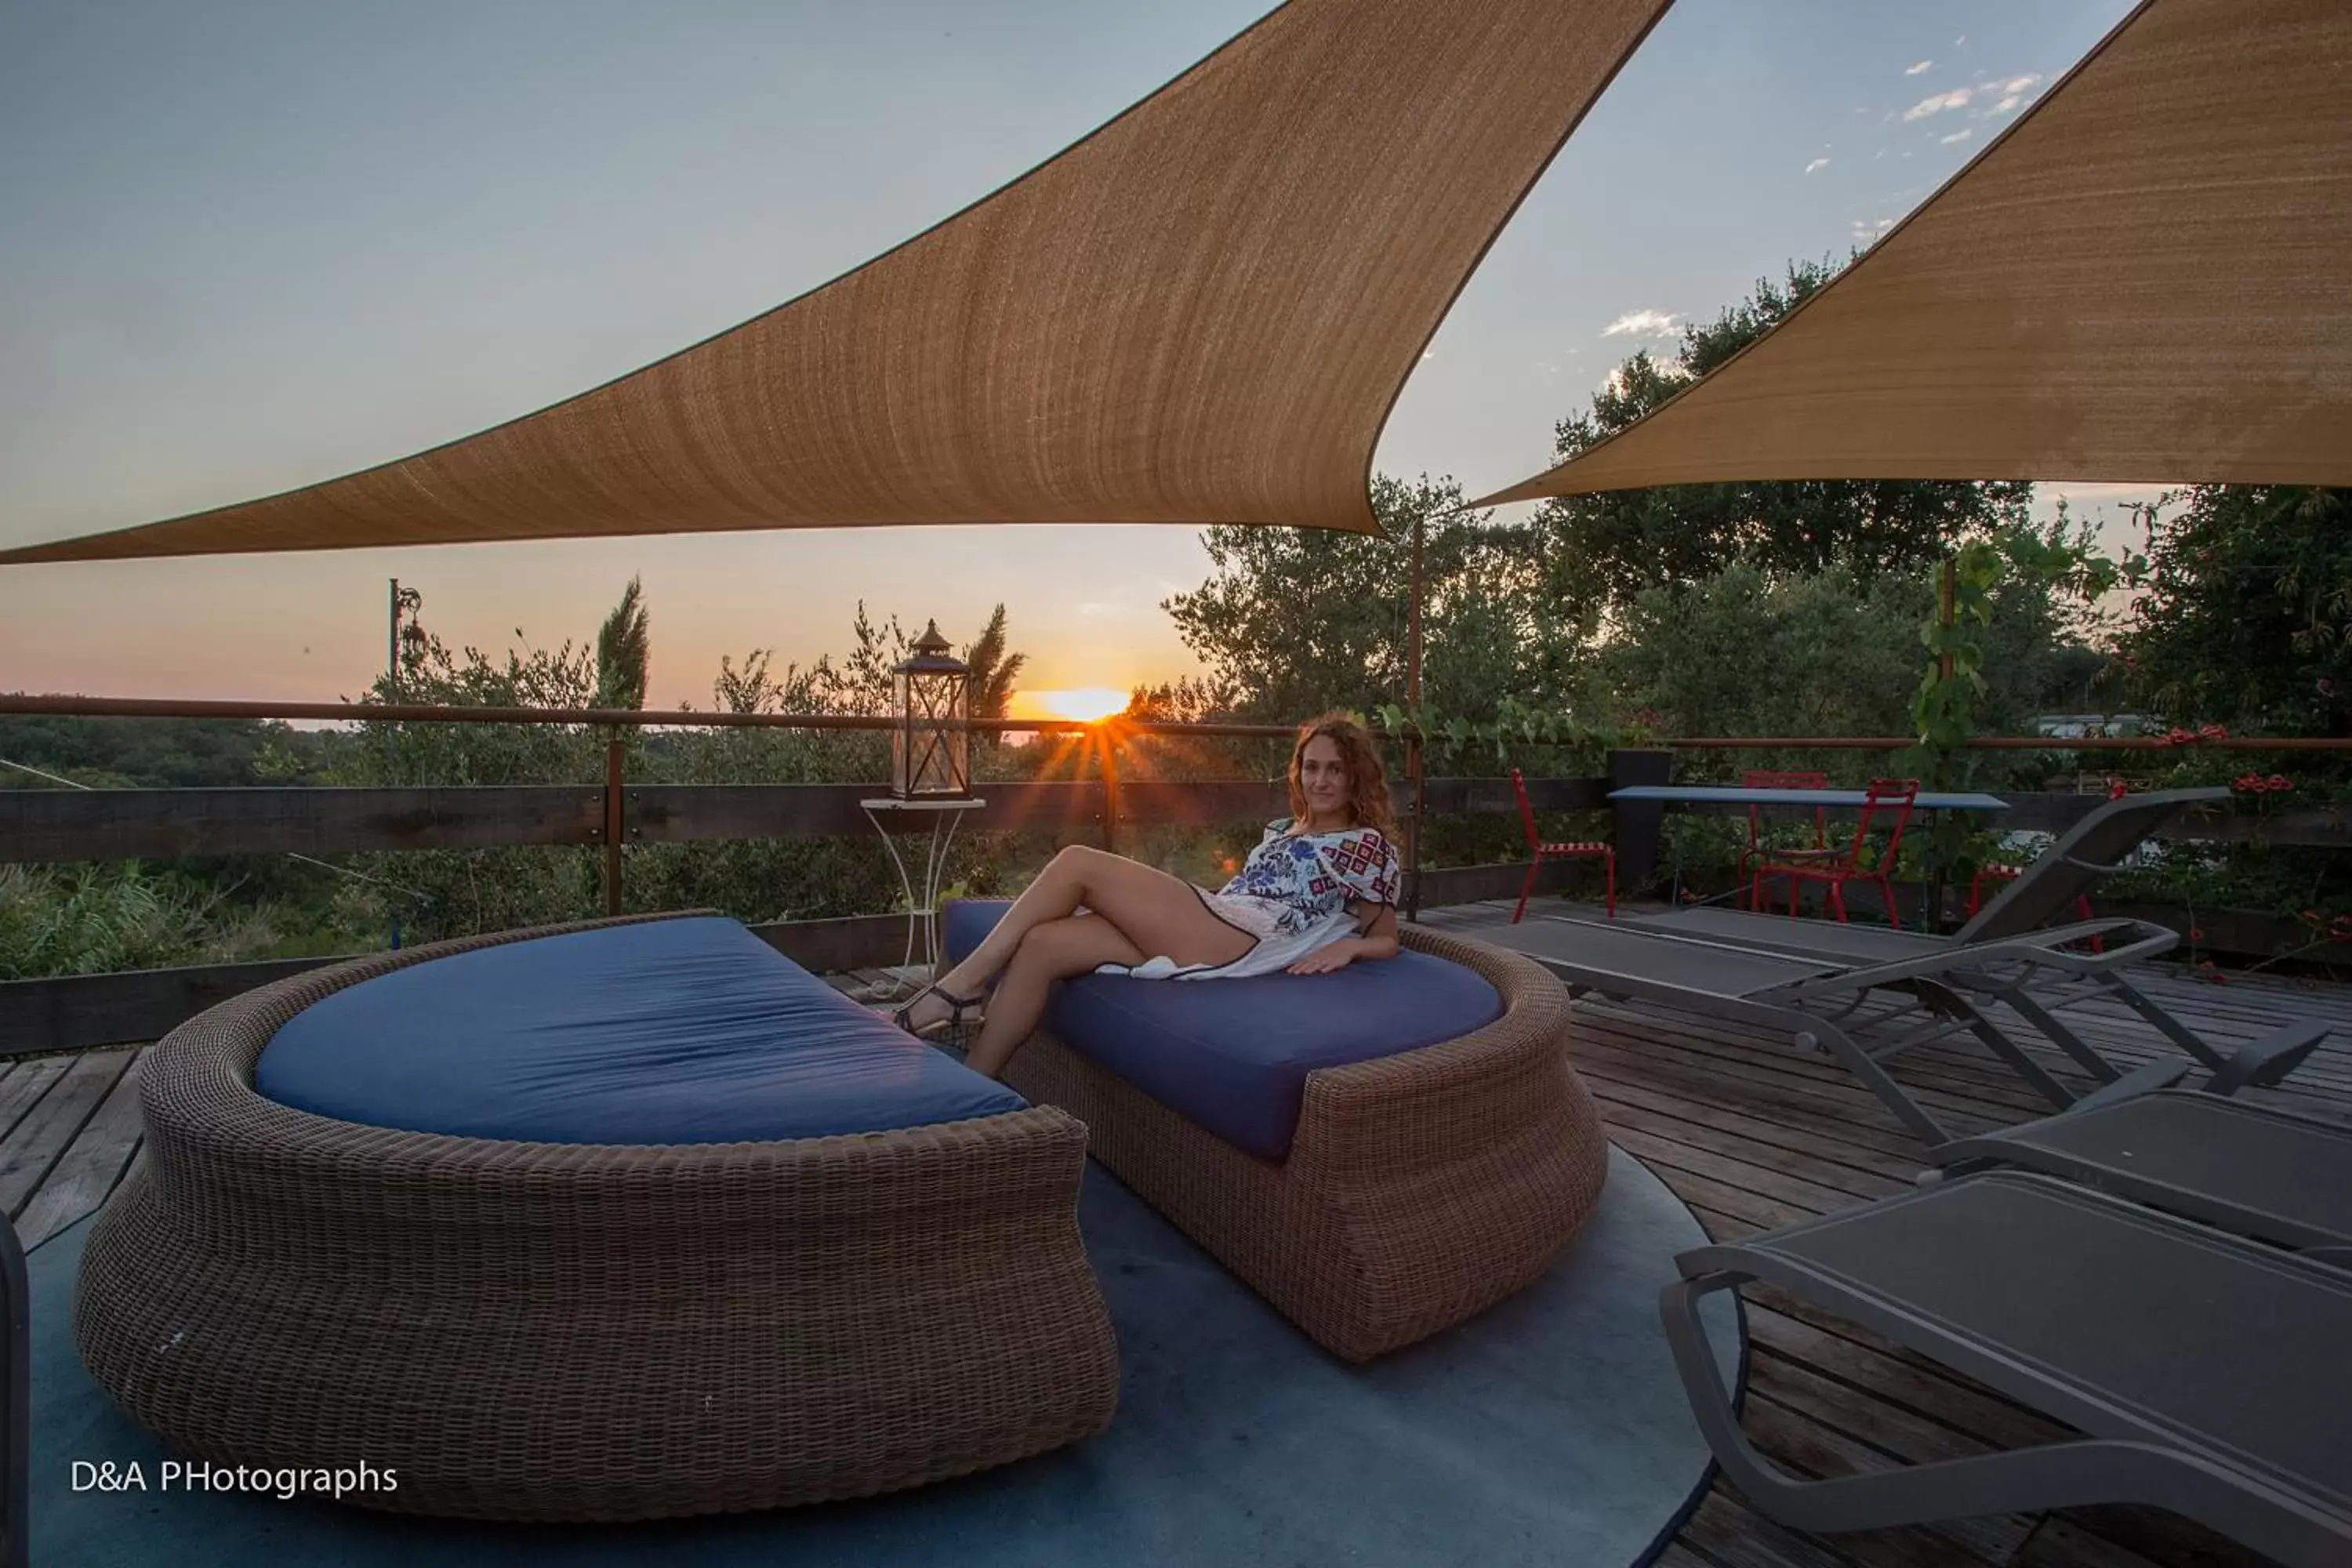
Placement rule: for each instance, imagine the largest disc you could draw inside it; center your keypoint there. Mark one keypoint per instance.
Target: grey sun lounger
(1801, 998)
(2272, 1175)
(2207, 1373)
(2009, 953)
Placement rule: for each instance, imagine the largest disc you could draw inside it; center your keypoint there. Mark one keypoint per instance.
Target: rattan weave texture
(1422, 1188)
(579, 1331)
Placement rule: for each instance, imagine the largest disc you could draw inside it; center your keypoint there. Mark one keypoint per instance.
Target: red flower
(2327, 686)
(2280, 780)
(2196, 933)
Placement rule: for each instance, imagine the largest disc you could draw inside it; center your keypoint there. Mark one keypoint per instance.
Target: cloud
(1960, 41)
(2020, 83)
(1915, 70)
(1865, 230)
(1962, 134)
(1956, 99)
(1643, 324)
(2006, 104)
(1817, 163)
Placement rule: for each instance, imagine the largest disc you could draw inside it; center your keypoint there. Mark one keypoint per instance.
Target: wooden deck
(1749, 1133)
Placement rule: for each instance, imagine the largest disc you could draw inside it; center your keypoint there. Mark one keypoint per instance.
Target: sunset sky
(254, 245)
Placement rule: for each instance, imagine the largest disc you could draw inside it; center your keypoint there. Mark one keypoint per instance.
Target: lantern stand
(931, 778)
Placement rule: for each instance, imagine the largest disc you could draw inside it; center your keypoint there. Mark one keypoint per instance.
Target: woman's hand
(1325, 960)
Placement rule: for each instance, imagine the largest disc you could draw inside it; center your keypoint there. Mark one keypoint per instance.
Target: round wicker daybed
(541, 1331)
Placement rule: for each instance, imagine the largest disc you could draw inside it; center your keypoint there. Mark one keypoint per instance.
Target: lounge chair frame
(2125, 1141)
(1806, 998)
(2129, 1456)
(2007, 955)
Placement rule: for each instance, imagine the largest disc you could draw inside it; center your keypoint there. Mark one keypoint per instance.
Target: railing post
(1412, 761)
(1413, 769)
(1107, 735)
(1639, 822)
(613, 826)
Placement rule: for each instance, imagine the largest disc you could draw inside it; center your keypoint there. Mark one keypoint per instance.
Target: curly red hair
(1368, 783)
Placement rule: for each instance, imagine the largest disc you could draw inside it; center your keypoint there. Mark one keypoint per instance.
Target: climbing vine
(1944, 712)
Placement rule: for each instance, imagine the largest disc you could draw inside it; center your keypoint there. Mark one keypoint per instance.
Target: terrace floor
(1745, 1130)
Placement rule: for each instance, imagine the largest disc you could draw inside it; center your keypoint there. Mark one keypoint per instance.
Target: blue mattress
(683, 1031)
(1234, 1054)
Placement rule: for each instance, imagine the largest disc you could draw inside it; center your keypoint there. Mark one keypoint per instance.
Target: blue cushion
(1234, 1054)
(683, 1031)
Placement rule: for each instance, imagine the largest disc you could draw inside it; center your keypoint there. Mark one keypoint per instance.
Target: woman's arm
(1375, 938)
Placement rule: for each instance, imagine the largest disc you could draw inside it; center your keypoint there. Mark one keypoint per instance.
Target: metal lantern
(930, 751)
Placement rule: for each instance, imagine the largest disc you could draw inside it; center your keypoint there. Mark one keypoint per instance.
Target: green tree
(1294, 621)
(1627, 540)
(2246, 613)
(994, 668)
(624, 652)
(1752, 652)
(154, 754)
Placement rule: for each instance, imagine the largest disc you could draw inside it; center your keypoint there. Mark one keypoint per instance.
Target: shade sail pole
(1412, 770)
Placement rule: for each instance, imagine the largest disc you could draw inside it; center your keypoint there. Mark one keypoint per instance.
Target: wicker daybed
(538, 1331)
(1419, 1189)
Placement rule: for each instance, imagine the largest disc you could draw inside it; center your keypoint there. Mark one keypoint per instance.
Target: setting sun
(1085, 703)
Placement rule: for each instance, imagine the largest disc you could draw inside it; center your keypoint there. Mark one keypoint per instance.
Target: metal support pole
(391, 644)
(1412, 765)
(1945, 603)
(613, 826)
(1931, 913)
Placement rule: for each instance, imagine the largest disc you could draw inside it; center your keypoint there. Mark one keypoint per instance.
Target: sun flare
(1085, 703)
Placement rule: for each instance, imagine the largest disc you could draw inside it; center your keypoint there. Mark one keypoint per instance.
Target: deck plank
(23, 1088)
(37, 1143)
(90, 1167)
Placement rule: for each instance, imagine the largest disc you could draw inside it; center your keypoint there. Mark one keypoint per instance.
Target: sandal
(903, 1015)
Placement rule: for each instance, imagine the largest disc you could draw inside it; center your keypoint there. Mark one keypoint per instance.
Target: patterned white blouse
(1292, 896)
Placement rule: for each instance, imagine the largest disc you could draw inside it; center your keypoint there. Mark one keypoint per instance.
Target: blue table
(1852, 799)
(1817, 799)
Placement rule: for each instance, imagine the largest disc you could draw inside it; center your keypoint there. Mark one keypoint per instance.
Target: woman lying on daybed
(1317, 894)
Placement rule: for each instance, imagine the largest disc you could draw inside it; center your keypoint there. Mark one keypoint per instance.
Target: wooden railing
(63, 825)
(79, 1011)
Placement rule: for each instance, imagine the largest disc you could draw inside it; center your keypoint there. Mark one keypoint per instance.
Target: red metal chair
(1837, 866)
(1765, 778)
(1568, 851)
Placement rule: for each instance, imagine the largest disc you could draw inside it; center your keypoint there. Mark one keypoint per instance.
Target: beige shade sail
(2147, 280)
(1199, 314)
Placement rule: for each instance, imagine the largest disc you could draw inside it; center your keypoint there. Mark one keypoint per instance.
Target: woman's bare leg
(1157, 912)
(1055, 950)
